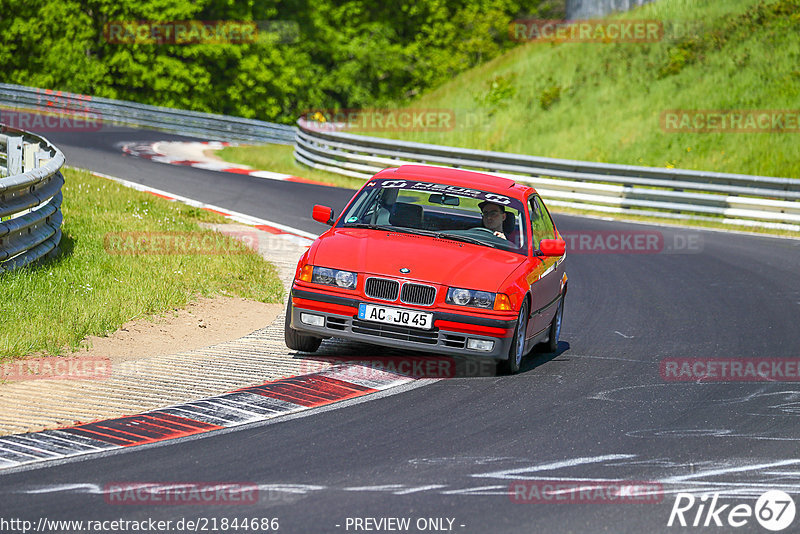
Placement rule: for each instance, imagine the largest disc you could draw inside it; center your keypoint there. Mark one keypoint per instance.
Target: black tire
(516, 352)
(294, 339)
(555, 328)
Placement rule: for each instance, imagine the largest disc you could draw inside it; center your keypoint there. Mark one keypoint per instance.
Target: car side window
(541, 224)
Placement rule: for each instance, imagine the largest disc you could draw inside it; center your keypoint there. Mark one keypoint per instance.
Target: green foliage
(339, 53)
(550, 96)
(679, 56)
(690, 49)
(501, 91)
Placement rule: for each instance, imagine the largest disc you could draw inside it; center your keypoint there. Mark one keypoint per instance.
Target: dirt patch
(202, 323)
(210, 347)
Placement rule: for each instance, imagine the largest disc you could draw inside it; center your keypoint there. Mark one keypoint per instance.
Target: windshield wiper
(465, 239)
(369, 225)
(419, 231)
(389, 228)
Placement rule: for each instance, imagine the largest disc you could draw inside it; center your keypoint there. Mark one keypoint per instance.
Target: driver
(494, 215)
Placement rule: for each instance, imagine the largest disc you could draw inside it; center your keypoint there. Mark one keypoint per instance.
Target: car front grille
(381, 288)
(417, 294)
(402, 333)
(411, 293)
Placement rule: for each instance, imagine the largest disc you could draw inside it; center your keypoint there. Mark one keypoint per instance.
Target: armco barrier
(672, 193)
(108, 111)
(30, 197)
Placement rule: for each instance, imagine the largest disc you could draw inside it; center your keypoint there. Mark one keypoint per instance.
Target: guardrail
(30, 198)
(671, 193)
(109, 111)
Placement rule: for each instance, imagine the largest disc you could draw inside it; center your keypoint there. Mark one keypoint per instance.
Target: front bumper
(341, 320)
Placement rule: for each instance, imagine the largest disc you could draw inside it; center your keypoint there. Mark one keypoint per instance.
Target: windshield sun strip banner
(443, 188)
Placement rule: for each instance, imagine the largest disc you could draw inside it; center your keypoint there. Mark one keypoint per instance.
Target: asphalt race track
(444, 455)
(100, 151)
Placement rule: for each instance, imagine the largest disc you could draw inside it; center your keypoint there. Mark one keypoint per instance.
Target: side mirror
(322, 214)
(552, 247)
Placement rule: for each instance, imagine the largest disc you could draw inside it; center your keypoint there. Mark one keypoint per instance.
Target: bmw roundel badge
(405, 270)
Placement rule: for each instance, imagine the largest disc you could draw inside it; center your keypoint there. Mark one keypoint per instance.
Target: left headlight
(469, 297)
(334, 277)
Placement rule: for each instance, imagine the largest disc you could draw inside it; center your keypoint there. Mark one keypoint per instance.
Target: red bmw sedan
(434, 259)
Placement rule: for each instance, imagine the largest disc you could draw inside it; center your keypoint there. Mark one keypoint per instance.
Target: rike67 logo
(774, 510)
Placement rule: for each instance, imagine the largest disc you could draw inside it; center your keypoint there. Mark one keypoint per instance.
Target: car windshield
(459, 213)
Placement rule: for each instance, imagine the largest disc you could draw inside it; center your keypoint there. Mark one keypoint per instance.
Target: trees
(311, 54)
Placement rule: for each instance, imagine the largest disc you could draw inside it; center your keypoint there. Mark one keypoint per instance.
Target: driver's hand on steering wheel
(500, 234)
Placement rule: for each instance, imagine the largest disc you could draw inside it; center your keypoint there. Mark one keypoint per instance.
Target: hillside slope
(606, 101)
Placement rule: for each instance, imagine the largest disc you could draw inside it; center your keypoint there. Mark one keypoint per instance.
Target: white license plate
(399, 316)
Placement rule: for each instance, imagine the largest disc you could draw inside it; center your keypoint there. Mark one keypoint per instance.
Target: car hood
(439, 261)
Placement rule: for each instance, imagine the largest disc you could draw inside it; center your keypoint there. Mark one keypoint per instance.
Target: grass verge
(280, 158)
(90, 290)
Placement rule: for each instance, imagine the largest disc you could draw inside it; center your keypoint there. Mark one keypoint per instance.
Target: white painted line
(386, 487)
(724, 471)
(482, 490)
(270, 175)
(512, 473)
(212, 166)
(90, 488)
(420, 488)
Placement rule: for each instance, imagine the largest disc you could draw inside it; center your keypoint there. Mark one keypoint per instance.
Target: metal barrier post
(14, 154)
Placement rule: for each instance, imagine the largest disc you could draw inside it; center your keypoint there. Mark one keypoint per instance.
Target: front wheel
(517, 349)
(555, 328)
(294, 339)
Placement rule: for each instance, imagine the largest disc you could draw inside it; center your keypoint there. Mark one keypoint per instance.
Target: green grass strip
(92, 289)
(280, 158)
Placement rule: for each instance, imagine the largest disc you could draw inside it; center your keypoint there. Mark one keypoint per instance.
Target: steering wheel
(493, 232)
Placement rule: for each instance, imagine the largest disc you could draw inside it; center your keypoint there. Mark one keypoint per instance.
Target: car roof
(450, 176)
